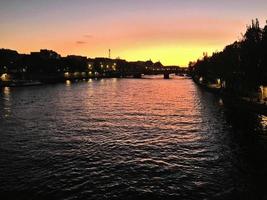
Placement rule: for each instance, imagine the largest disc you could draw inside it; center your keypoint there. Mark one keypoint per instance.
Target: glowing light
(76, 74)
(264, 121)
(263, 92)
(66, 74)
(4, 77)
(68, 82)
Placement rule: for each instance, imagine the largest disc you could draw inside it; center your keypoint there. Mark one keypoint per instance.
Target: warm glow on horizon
(167, 55)
(171, 32)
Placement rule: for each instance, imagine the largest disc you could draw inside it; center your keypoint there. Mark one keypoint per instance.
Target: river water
(128, 139)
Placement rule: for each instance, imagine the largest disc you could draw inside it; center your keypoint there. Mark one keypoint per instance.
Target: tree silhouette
(242, 64)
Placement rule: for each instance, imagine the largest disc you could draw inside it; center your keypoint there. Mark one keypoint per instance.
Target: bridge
(165, 71)
(130, 72)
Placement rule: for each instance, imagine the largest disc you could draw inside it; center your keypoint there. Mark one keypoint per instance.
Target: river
(128, 139)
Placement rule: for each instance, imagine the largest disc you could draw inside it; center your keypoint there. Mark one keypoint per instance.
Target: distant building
(46, 54)
(105, 65)
(8, 59)
(90, 64)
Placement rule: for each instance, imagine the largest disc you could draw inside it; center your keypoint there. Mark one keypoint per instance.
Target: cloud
(81, 42)
(88, 36)
(84, 41)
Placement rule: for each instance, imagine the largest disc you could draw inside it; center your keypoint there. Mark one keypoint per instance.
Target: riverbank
(234, 101)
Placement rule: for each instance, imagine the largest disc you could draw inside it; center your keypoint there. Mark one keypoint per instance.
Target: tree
(250, 53)
(263, 64)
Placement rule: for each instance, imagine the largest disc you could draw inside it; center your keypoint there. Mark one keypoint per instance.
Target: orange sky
(174, 32)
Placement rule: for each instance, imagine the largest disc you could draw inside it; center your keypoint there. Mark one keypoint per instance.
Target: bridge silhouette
(165, 71)
(128, 73)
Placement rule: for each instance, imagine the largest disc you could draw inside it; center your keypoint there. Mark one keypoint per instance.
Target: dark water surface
(128, 139)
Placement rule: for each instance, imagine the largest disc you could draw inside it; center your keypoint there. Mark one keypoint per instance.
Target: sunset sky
(171, 31)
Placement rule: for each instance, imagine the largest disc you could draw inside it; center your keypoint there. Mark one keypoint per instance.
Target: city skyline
(172, 32)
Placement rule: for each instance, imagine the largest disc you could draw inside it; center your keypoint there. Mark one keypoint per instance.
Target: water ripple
(118, 139)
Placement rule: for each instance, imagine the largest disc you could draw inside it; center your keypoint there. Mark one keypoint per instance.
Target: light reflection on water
(6, 102)
(264, 121)
(6, 91)
(128, 138)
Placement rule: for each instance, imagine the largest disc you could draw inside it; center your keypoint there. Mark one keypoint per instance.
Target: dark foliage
(242, 63)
